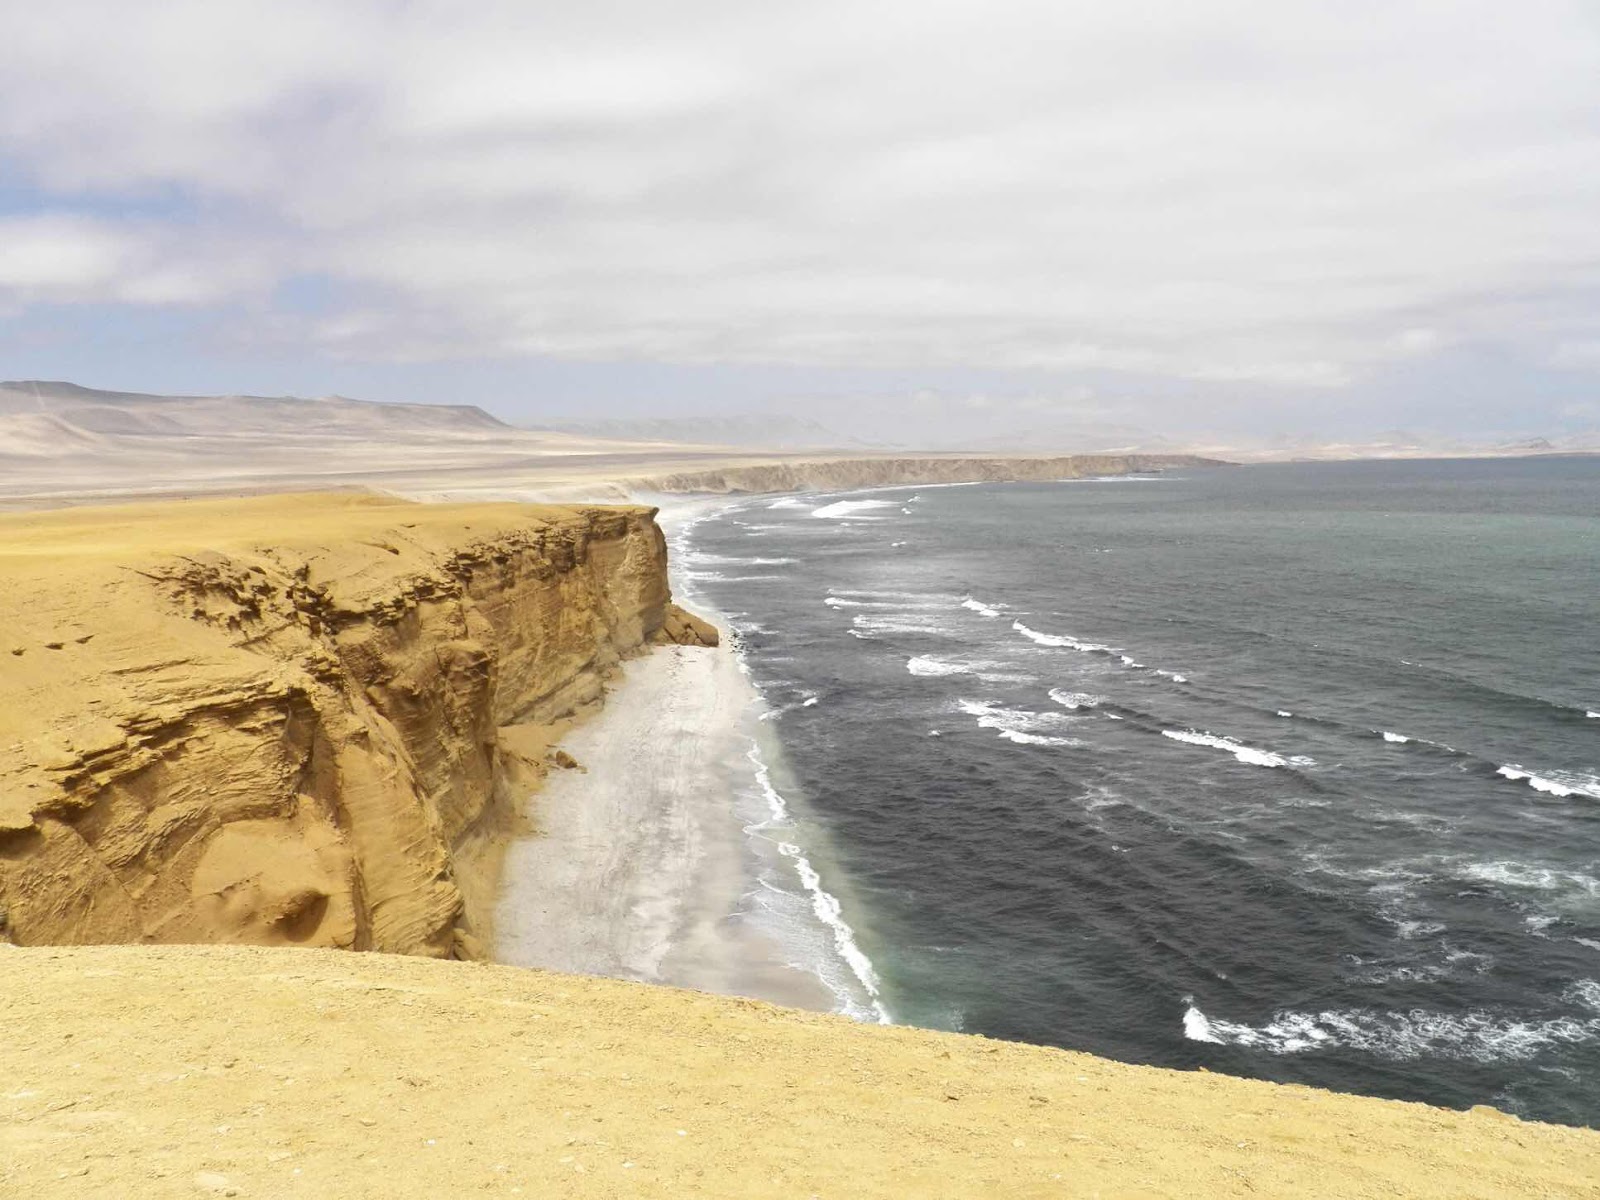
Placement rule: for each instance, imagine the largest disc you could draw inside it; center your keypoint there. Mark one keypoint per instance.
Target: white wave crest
(1173, 675)
(855, 598)
(1075, 699)
(714, 577)
(1555, 783)
(1245, 754)
(1034, 739)
(1475, 1036)
(773, 714)
(1284, 712)
(1528, 877)
(1019, 725)
(788, 502)
(853, 509)
(978, 606)
(1061, 640)
(1398, 738)
(696, 558)
(824, 905)
(926, 664)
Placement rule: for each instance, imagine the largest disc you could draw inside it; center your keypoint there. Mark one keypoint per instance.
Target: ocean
(1284, 771)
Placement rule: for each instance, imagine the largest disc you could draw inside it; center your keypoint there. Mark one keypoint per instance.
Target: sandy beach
(669, 857)
(638, 867)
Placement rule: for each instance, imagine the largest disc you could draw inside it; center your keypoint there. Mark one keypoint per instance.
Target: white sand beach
(659, 860)
(638, 865)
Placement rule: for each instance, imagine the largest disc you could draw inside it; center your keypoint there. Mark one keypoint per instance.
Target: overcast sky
(1180, 213)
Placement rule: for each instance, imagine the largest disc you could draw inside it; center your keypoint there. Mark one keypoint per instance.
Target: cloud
(1580, 355)
(1286, 194)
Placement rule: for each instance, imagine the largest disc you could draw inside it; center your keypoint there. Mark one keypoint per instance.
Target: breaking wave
(853, 509)
(1476, 1035)
(1245, 754)
(1061, 641)
(1075, 699)
(1018, 725)
(1555, 783)
(824, 904)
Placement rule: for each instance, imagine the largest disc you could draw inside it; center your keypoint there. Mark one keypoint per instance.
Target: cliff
(191, 1071)
(287, 719)
(843, 474)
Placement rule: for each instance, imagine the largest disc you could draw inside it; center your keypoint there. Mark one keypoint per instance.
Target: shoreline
(671, 857)
(634, 868)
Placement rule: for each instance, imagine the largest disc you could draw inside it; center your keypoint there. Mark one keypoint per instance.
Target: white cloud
(1286, 193)
(1582, 355)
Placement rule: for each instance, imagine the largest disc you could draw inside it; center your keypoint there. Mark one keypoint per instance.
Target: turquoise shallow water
(1287, 771)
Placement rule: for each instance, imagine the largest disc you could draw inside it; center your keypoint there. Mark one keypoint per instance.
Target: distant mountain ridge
(91, 411)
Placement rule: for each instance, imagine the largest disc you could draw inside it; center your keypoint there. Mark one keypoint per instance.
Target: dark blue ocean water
(1288, 771)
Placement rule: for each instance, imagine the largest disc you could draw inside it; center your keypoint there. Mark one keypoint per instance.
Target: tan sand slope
(280, 720)
(181, 1071)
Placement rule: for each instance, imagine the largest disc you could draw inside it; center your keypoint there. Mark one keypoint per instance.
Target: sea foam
(1075, 699)
(989, 672)
(1245, 754)
(1061, 641)
(1018, 725)
(1528, 877)
(824, 904)
(841, 509)
(1562, 784)
(1475, 1035)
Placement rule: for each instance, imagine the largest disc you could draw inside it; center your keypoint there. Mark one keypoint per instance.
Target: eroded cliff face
(843, 474)
(274, 720)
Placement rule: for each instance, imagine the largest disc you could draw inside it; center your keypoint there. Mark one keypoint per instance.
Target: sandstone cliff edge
(844, 474)
(285, 720)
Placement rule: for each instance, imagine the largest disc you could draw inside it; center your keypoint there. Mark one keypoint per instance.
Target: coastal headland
(296, 725)
(295, 719)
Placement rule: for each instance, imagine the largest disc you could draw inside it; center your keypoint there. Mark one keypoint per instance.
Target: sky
(1176, 215)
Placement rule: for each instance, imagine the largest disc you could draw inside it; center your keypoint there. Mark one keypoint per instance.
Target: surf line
(779, 829)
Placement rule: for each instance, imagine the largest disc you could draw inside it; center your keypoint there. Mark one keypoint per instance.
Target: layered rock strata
(276, 720)
(843, 474)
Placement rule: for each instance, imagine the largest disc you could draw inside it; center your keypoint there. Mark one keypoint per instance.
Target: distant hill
(59, 439)
(89, 411)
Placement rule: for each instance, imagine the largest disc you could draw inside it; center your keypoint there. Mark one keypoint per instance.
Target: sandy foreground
(190, 1071)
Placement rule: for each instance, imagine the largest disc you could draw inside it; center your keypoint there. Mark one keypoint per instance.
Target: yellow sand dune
(181, 1071)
